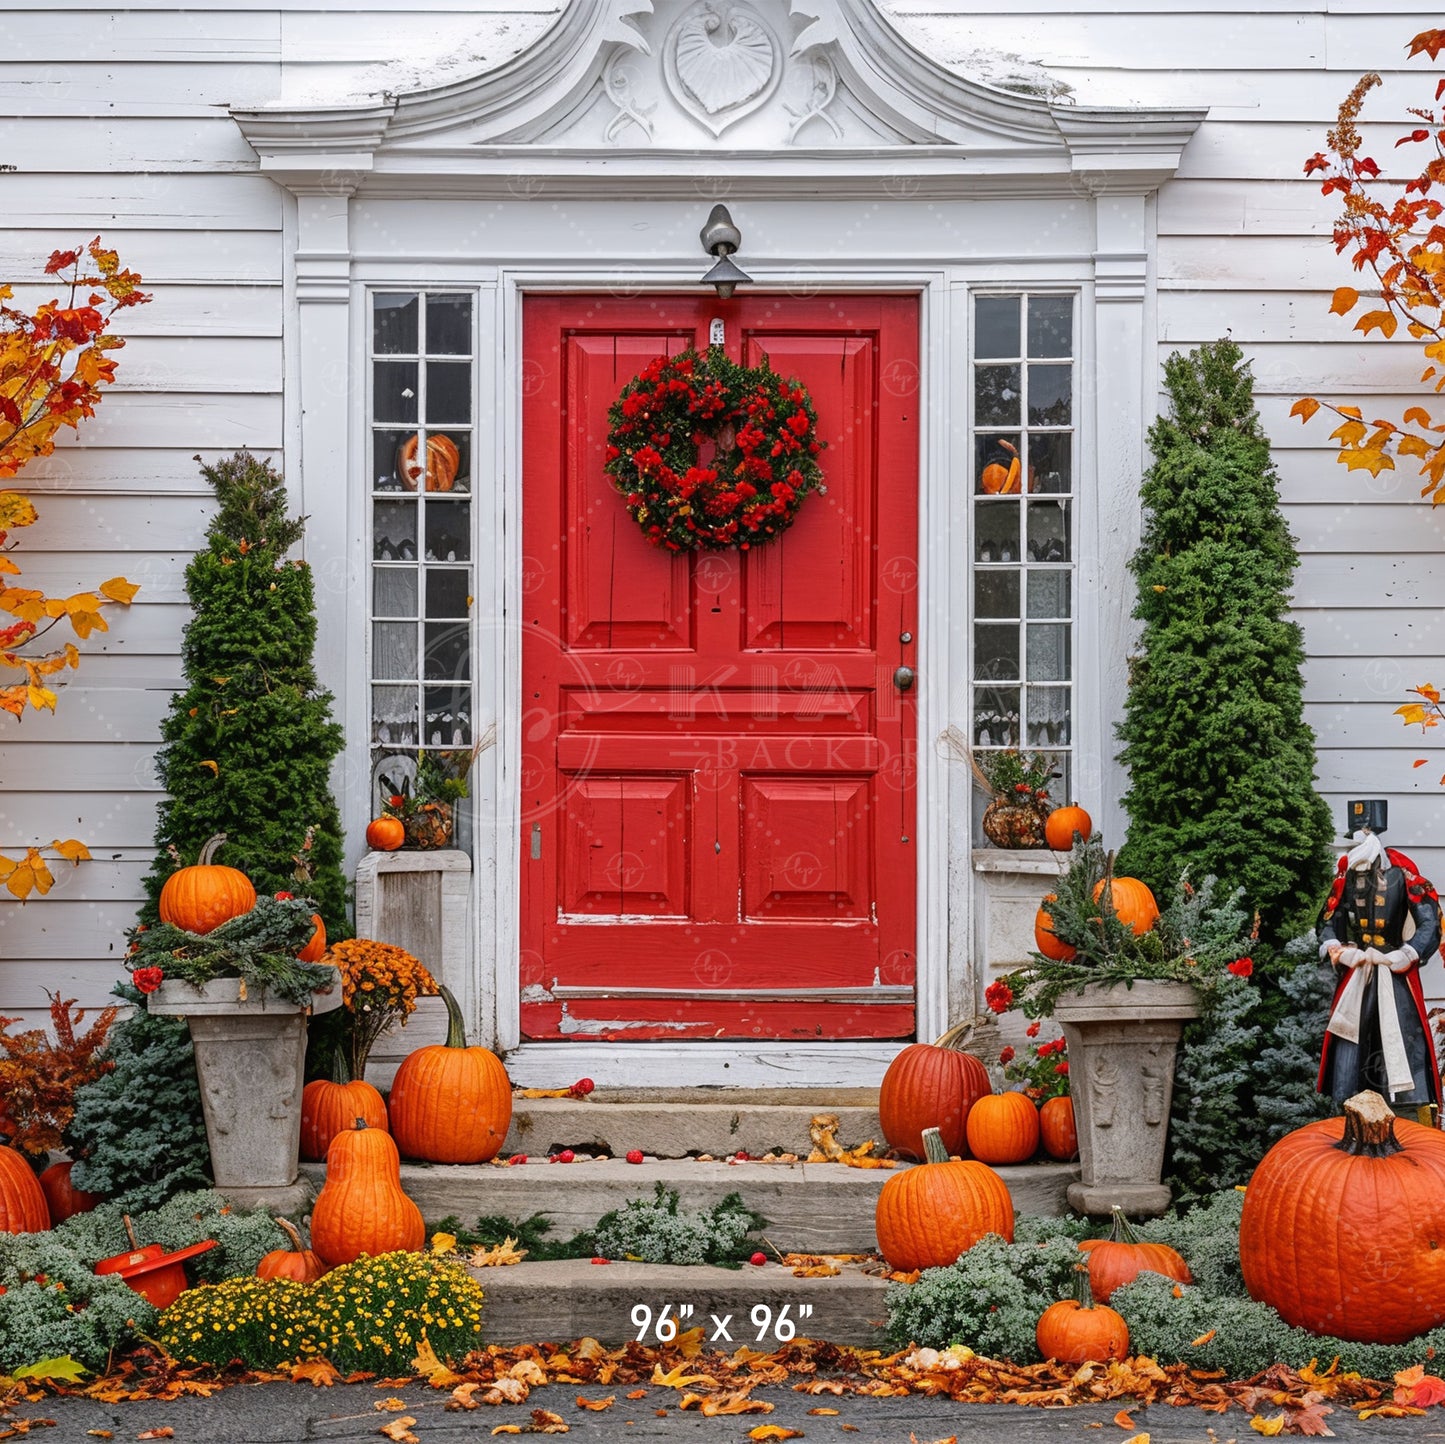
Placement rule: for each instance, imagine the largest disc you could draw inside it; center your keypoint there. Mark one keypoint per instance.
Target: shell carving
(722, 62)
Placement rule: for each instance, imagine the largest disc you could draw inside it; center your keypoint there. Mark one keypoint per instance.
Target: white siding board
(98, 767)
(135, 89)
(215, 365)
(116, 145)
(1351, 633)
(86, 712)
(370, 37)
(114, 36)
(1349, 366)
(1381, 682)
(74, 467)
(200, 421)
(101, 821)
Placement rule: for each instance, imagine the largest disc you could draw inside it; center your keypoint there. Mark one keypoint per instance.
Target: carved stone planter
(250, 1063)
(1122, 1046)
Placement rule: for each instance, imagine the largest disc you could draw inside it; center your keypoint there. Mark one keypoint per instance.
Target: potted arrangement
(424, 803)
(1017, 784)
(1120, 976)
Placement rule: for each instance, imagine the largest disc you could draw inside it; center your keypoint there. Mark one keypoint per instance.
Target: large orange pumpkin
(297, 1262)
(442, 461)
(329, 1107)
(450, 1103)
(929, 1214)
(203, 897)
(1047, 941)
(1080, 1331)
(1344, 1226)
(930, 1085)
(1056, 1128)
(315, 948)
(1061, 825)
(23, 1208)
(362, 1208)
(61, 1196)
(1134, 904)
(1003, 1128)
(1123, 1256)
(385, 834)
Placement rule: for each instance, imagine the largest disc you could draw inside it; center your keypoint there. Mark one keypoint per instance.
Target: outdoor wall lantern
(720, 238)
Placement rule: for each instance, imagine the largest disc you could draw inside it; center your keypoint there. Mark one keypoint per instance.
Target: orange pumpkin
(1061, 825)
(930, 1085)
(450, 1103)
(929, 1214)
(203, 897)
(1047, 941)
(362, 1208)
(1056, 1128)
(1343, 1223)
(1003, 1128)
(999, 480)
(385, 834)
(331, 1107)
(1133, 903)
(23, 1208)
(296, 1262)
(316, 946)
(62, 1198)
(1123, 1256)
(1080, 1331)
(442, 461)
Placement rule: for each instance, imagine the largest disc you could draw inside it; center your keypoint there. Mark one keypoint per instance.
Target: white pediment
(750, 83)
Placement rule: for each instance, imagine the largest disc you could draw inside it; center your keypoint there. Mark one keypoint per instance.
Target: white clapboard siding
(122, 143)
(76, 467)
(108, 88)
(1382, 681)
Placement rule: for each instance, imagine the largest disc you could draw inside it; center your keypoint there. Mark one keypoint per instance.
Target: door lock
(904, 678)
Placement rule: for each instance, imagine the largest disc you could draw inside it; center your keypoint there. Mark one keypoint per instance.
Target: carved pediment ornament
(721, 61)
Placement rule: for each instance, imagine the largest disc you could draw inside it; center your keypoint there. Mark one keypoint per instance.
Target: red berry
(758, 1258)
(601, 1260)
(583, 1086)
(566, 1156)
(742, 1155)
(285, 896)
(634, 1155)
(517, 1158)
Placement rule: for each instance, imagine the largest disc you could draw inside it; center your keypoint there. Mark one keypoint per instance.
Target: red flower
(1242, 967)
(396, 800)
(1062, 1067)
(148, 979)
(1006, 1056)
(1033, 1029)
(285, 896)
(999, 996)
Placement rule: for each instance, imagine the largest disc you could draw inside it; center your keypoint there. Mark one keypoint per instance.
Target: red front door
(718, 759)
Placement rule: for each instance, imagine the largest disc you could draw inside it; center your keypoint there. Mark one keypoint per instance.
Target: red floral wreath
(765, 430)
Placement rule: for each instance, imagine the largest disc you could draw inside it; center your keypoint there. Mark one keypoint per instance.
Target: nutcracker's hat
(1371, 813)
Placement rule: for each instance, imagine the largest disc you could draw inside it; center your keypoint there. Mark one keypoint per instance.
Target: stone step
(810, 1208)
(573, 1299)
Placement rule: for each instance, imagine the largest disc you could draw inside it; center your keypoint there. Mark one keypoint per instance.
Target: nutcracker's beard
(1367, 851)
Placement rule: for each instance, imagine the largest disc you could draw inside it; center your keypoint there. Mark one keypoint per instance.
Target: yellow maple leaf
(677, 1379)
(40, 697)
(498, 1256)
(399, 1430)
(389, 1406)
(441, 1243)
(1377, 321)
(16, 510)
(1345, 299)
(71, 850)
(507, 1429)
(1267, 1427)
(1368, 459)
(431, 1368)
(117, 589)
(319, 1373)
(775, 1431)
(596, 1404)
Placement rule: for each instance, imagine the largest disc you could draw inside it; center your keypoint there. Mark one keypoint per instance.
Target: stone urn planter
(250, 1063)
(1122, 1046)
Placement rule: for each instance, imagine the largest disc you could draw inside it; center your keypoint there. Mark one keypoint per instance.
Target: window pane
(993, 458)
(394, 716)
(996, 594)
(394, 591)
(1051, 461)
(1049, 593)
(449, 325)
(1051, 392)
(995, 716)
(1049, 539)
(1048, 722)
(995, 652)
(393, 324)
(384, 448)
(1048, 652)
(448, 531)
(996, 389)
(995, 327)
(395, 387)
(393, 651)
(996, 531)
(446, 593)
(393, 536)
(448, 721)
(448, 655)
(1051, 325)
(448, 392)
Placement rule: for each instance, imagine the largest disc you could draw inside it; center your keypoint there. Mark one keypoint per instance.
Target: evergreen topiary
(1221, 761)
(250, 741)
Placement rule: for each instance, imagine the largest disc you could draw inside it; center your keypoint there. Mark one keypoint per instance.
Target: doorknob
(903, 679)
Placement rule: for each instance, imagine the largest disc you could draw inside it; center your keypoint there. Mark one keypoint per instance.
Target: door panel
(717, 781)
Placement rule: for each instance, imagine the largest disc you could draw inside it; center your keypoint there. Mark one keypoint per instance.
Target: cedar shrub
(250, 741)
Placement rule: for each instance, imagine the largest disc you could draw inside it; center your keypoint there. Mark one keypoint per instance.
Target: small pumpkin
(23, 1208)
(329, 1107)
(297, 1262)
(930, 1085)
(1046, 940)
(442, 461)
(315, 947)
(61, 1196)
(1343, 1224)
(930, 1214)
(385, 834)
(1123, 1256)
(1003, 1128)
(1081, 1331)
(362, 1208)
(1057, 1130)
(998, 479)
(1134, 904)
(1061, 825)
(450, 1103)
(204, 896)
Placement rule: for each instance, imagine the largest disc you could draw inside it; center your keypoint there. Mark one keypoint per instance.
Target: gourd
(450, 1103)
(1080, 1331)
(298, 1263)
(315, 948)
(1057, 1129)
(1003, 1128)
(362, 1208)
(1123, 1256)
(329, 1107)
(1133, 903)
(23, 1208)
(202, 897)
(927, 1215)
(1047, 941)
(385, 834)
(1061, 825)
(62, 1198)
(1343, 1229)
(930, 1085)
(442, 461)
